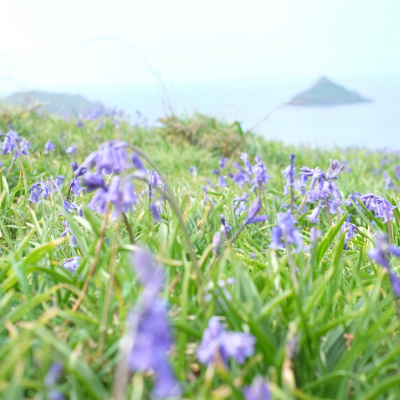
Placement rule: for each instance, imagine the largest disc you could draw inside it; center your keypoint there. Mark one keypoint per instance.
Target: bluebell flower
(254, 209)
(148, 271)
(222, 163)
(35, 192)
(314, 234)
(25, 147)
(260, 174)
(193, 170)
(379, 255)
(225, 224)
(382, 207)
(285, 230)
(313, 217)
(289, 173)
(71, 264)
(258, 390)
(137, 162)
(50, 381)
(71, 149)
(248, 166)
(155, 208)
(221, 179)
(49, 146)
(151, 336)
(93, 181)
(218, 345)
(76, 187)
(217, 240)
(10, 142)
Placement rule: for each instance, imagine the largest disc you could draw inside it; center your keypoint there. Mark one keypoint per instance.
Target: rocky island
(326, 93)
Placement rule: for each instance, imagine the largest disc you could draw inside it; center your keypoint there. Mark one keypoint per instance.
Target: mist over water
(373, 125)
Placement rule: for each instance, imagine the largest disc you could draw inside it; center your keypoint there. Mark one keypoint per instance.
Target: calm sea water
(374, 125)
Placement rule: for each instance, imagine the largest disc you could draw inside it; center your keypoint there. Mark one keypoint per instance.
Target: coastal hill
(67, 104)
(326, 93)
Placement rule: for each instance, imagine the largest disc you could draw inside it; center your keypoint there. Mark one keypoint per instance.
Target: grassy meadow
(314, 317)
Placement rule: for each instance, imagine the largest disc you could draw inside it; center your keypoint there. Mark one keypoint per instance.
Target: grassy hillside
(184, 288)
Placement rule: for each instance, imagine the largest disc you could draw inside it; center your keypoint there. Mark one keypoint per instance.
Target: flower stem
(328, 213)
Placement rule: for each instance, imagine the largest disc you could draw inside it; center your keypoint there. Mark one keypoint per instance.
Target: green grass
(342, 316)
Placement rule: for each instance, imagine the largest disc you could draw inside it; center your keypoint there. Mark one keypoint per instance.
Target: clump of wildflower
(285, 230)
(71, 149)
(379, 255)
(381, 207)
(258, 390)
(254, 209)
(45, 188)
(149, 329)
(49, 146)
(71, 264)
(13, 144)
(193, 170)
(218, 345)
(221, 179)
(322, 186)
(289, 173)
(50, 381)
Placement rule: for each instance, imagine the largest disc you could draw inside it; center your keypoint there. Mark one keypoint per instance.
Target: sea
(259, 105)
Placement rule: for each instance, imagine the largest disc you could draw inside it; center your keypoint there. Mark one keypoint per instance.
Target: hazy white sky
(66, 45)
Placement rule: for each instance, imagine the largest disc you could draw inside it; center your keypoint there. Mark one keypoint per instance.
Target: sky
(74, 45)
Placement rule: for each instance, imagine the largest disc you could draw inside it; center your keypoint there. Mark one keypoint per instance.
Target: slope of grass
(328, 331)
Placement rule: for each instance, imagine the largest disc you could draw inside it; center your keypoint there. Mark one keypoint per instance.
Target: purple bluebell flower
(379, 255)
(71, 149)
(314, 234)
(35, 192)
(230, 281)
(221, 179)
(222, 163)
(193, 170)
(80, 124)
(99, 201)
(248, 166)
(150, 335)
(76, 187)
(50, 381)
(313, 217)
(254, 209)
(217, 240)
(301, 182)
(335, 168)
(260, 174)
(49, 146)
(397, 171)
(352, 198)
(67, 229)
(25, 147)
(241, 177)
(206, 196)
(258, 390)
(285, 230)
(71, 264)
(289, 173)
(93, 181)
(74, 166)
(155, 208)
(58, 182)
(219, 345)
(148, 271)
(10, 142)
(382, 207)
(209, 183)
(137, 162)
(225, 224)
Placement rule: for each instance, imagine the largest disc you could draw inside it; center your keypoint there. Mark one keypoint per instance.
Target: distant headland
(62, 103)
(324, 92)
